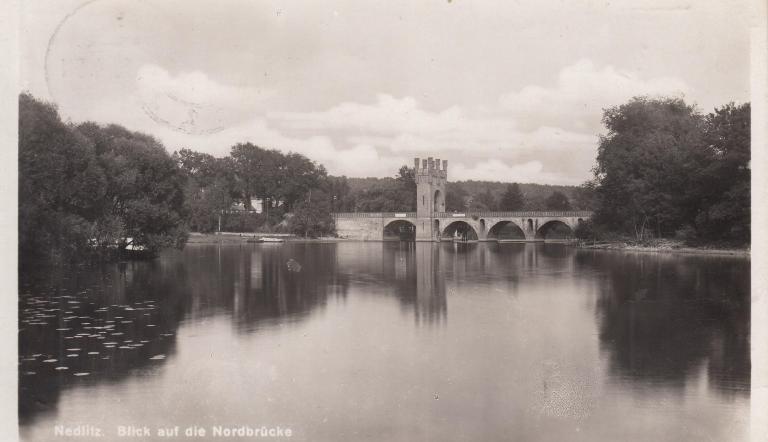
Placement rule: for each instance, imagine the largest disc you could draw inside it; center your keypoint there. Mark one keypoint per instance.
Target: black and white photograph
(437, 220)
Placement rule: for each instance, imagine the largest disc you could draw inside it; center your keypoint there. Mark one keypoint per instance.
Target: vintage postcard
(442, 220)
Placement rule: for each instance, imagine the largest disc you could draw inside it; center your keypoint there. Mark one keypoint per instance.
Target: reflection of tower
(431, 305)
(430, 195)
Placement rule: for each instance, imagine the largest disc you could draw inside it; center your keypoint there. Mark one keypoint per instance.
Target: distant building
(256, 203)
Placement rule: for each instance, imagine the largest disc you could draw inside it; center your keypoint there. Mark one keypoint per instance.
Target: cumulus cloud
(580, 93)
(386, 115)
(401, 125)
(497, 170)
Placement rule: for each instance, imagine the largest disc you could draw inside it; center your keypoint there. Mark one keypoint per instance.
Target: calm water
(393, 342)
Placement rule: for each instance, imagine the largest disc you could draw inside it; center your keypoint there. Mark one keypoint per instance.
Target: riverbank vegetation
(93, 191)
(665, 170)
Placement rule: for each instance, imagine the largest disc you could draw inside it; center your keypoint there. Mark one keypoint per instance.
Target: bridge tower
(430, 196)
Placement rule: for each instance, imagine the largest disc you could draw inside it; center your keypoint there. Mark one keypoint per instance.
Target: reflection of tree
(256, 284)
(275, 282)
(136, 305)
(662, 316)
(263, 282)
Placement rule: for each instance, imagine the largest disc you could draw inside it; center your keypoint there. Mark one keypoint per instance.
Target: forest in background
(489, 195)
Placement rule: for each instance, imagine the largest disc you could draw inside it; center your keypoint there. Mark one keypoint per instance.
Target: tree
(724, 184)
(557, 201)
(340, 196)
(584, 196)
(311, 216)
(205, 205)
(406, 194)
(484, 201)
(201, 167)
(512, 199)
(61, 185)
(86, 190)
(455, 196)
(144, 192)
(646, 165)
(296, 175)
(388, 194)
(256, 172)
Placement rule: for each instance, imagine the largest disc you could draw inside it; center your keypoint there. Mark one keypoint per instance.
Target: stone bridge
(481, 226)
(430, 221)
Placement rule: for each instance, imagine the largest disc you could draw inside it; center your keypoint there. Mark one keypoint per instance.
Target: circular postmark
(96, 58)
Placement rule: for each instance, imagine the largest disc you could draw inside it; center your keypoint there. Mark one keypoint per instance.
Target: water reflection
(662, 318)
(105, 323)
(543, 339)
(94, 325)
(419, 280)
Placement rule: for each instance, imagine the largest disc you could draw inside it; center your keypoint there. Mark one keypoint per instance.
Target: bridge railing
(519, 214)
(374, 215)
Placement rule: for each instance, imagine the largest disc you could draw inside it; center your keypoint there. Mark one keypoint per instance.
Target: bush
(586, 231)
(687, 234)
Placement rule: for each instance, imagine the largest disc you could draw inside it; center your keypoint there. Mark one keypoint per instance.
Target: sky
(503, 90)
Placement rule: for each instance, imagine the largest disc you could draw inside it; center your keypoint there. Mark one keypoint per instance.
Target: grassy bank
(666, 246)
(249, 237)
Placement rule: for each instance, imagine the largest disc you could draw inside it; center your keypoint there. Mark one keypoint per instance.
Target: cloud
(375, 139)
(497, 170)
(401, 125)
(581, 92)
(387, 115)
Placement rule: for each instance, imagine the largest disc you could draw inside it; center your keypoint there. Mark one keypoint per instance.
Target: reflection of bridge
(431, 222)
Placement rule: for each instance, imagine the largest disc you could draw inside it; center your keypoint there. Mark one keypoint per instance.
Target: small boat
(269, 239)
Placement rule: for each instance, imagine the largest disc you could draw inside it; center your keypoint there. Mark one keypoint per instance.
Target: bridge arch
(459, 229)
(554, 229)
(400, 229)
(506, 229)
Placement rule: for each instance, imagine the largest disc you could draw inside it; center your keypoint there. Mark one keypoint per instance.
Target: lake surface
(392, 342)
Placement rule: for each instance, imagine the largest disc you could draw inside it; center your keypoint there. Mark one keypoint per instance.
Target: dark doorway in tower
(400, 230)
(506, 231)
(459, 231)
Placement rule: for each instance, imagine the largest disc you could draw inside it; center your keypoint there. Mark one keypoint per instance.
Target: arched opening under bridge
(400, 230)
(506, 230)
(554, 230)
(459, 231)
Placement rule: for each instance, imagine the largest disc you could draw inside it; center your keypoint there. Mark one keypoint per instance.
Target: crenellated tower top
(431, 168)
(431, 176)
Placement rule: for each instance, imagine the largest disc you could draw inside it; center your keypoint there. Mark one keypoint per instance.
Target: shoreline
(620, 246)
(252, 238)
